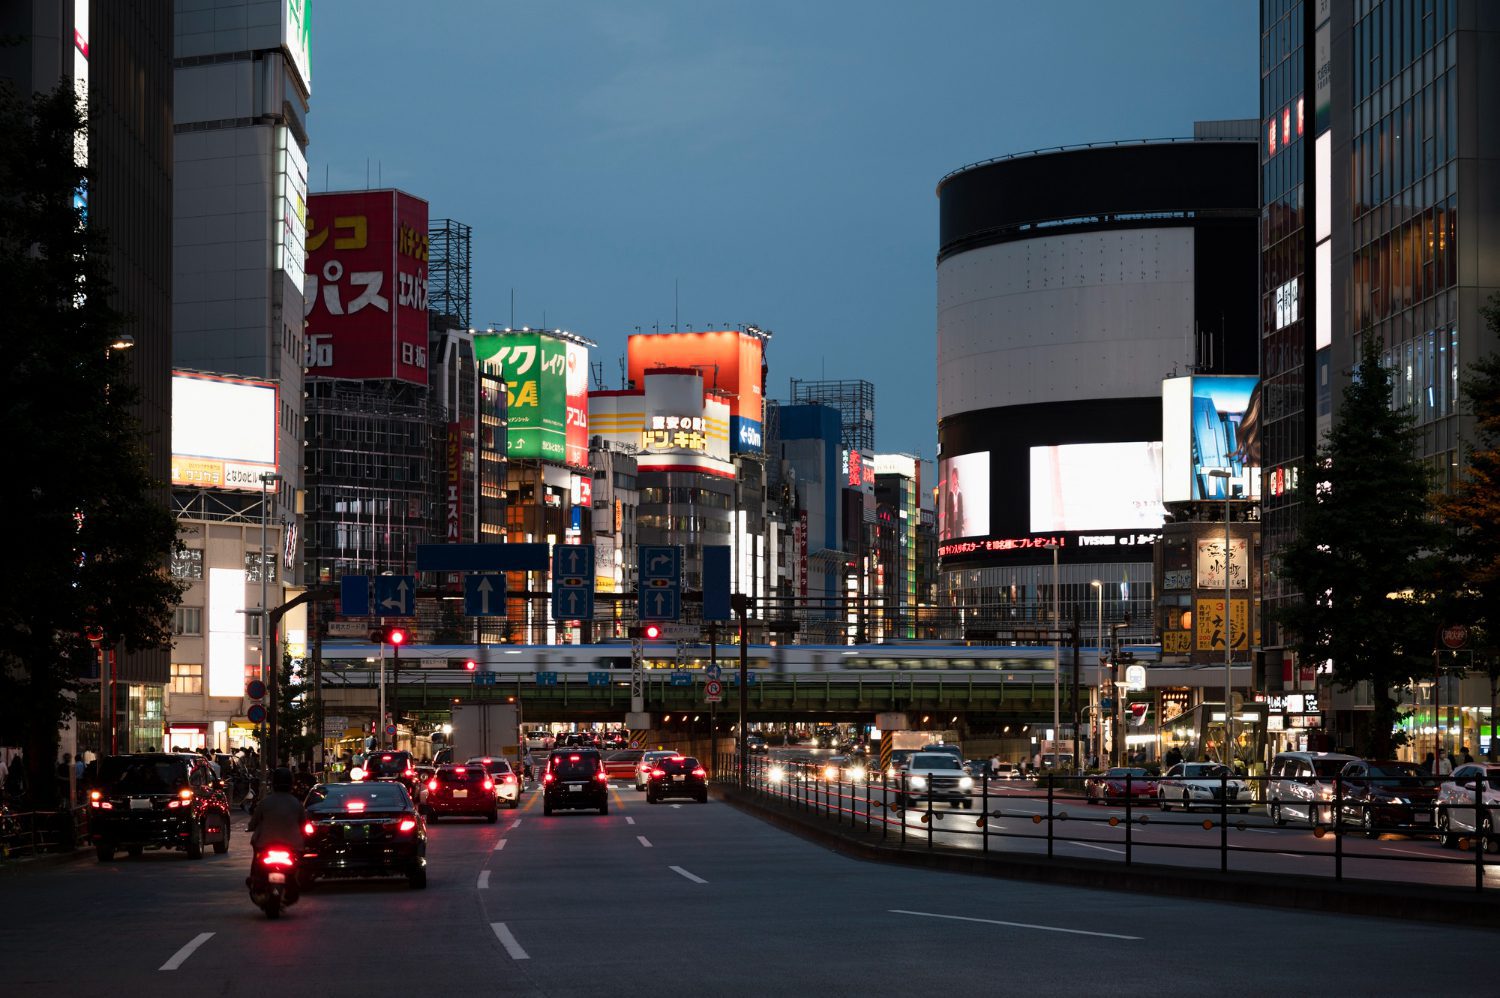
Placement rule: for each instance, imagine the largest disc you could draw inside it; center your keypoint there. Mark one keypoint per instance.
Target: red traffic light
(392, 635)
(653, 631)
(471, 665)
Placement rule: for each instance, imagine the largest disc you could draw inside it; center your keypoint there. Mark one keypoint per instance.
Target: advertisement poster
(1210, 424)
(964, 496)
(534, 368)
(1211, 563)
(223, 431)
(365, 290)
(1109, 486)
(577, 428)
(730, 362)
(1208, 622)
(453, 464)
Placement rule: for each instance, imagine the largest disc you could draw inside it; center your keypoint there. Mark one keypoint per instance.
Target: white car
(1453, 811)
(507, 779)
(1201, 784)
(936, 776)
(538, 740)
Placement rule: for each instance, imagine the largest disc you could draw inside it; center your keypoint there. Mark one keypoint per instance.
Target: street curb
(13, 867)
(1456, 906)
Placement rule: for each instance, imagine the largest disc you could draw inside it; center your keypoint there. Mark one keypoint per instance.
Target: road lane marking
(180, 957)
(629, 820)
(1017, 925)
(694, 879)
(1408, 852)
(515, 824)
(1294, 855)
(1090, 845)
(499, 845)
(484, 880)
(508, 941)
(643, 841)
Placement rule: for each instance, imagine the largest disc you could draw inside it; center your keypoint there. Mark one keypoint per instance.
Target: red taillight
(602, 776)
(700, 771)
(408, 772)
(645, 767)
(489, 784)
(432, 783)
(407, 824)
(356, 805)
(510, 778)
(676, 758)
(548, 778)
(276, 857)
(385, 758)
(309, 828)
(574, 758)
(658, 772)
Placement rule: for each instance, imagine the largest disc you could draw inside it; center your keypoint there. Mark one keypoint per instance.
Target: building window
(187, 677)
(187, 621)
(252, 625)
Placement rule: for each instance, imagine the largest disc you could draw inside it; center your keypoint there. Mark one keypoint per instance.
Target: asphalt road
(665, 900)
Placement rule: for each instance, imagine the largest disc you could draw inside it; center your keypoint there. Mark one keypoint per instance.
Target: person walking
(1444, 764)
(1429, 764)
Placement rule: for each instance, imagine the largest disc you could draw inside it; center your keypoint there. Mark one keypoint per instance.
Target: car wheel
(492, 816)
(1161, 802)
(134, 852)
(1367, 821)
(650, 797)
(1486, 834)
(1276, 816)
(195, 841)
(105, 851)
(1446, 838)
(417, 878)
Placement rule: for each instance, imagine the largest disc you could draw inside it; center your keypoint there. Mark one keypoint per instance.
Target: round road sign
(1455, 636)
(713, 688)
(257, 713)
(255, 689)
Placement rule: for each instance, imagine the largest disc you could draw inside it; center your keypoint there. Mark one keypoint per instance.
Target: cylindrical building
(1070, 282)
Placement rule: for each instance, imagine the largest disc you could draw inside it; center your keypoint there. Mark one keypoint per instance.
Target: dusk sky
(777, 160)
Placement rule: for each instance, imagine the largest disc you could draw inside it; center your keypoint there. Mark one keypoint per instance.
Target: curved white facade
(1090, 315)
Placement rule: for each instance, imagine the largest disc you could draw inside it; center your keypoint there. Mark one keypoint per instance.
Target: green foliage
(296, 713)
(1366, 559)
(89, 531)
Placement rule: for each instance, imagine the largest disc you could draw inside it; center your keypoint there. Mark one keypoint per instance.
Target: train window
(911, 663)
(883, 663)
(939, 663)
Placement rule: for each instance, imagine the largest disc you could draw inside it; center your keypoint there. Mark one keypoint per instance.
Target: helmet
(281, 780)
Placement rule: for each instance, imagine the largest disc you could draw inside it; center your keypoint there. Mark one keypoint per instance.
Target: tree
(1472, 510)
(1366, 559)
(89, 531)
(296, 712)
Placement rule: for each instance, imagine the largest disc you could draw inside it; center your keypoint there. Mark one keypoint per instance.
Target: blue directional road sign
(484, 595)
(716, 602)
(659, 583)
(573, 582)
(485, 678)
(354, 596)
(395, 595)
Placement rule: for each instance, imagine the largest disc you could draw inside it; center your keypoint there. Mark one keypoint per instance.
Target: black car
(575, 778)
(399, 767)
(364, 830)
(677, 776)
(1377, 796)
(157, 801)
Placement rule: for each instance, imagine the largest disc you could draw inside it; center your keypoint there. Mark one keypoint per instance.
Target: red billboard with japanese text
(576, 386)
(366, 286)
(730, 362)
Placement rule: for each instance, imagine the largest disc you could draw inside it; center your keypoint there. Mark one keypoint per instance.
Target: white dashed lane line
(180, 957)
(484, 880)
(508, 941)
(694, 879)
(1015, 925)
(643, 841)
(499, 845)
(515, 824)
(629, 820)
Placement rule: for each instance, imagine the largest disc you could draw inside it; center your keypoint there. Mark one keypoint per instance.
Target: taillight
(432, 783)
(308, 829)
(645, 767)
(276, 857)
(185, 794)
(408, 772)
(602, 776)
(510, 778)
(548, 778)
(489, 784)
(658, 772)
(356, 805)
(407, 824)
(385, 758)
(460, 770)
(574, 758)
(700, 771)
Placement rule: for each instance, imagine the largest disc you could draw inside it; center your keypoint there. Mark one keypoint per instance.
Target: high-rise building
(898, 491)
(119, 54)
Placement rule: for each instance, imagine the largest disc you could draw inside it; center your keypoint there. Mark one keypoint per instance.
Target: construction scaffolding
(855, 401)
(450, 299)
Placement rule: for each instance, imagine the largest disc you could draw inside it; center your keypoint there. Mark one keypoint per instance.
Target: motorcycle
(273, 885)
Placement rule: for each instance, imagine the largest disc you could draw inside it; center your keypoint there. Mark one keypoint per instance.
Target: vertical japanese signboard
(534, 368)
(453, 464)
(577, 418)
(366, 286)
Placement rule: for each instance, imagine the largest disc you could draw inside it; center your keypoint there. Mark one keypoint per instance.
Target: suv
(462, 790)
(937, 776)
(398, 767)
(1302, 784)
(575, 778)
(647, 764)
(157, 801)
(678, 776)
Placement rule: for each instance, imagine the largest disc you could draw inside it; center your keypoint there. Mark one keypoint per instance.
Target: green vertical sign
(534, 368)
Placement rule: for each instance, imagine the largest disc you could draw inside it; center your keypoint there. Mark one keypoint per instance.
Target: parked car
(157, 801)
(936, 776)
(1388, 795)
(1202, 784)
(1118, 784)
(1454, 811)
(1301, 786)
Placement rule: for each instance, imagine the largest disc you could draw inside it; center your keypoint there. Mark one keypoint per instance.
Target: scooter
(273, 885)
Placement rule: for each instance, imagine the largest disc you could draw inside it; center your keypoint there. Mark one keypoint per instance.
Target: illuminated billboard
(1111, 486)
(1209, 424)
(964, 496)
(365, 292)
(577, 417)
(534, 366)
(730, 362)
(296, 37)
(223, 431)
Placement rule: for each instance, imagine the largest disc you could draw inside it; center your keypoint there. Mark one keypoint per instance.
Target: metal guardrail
(887, 803)
(31, 833)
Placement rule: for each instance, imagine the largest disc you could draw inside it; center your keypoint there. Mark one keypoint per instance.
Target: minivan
(1301, 786)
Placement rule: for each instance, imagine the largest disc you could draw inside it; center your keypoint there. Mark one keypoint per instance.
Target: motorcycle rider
(278, 818)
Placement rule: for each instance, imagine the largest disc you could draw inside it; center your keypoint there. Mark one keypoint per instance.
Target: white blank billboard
(1096, 487)
(224, 419)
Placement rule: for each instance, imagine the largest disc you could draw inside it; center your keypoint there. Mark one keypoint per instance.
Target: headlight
(965, 782)
(776, 774)
(830, 772)
(918, 782)
(857, 774)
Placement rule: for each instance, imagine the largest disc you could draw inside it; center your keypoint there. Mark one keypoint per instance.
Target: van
(1301, 786)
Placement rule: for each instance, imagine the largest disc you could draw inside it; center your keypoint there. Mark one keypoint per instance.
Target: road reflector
(1208, 823)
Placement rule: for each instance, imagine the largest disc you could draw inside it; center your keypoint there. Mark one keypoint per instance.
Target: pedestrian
(15, 778)
(1429, 764)
(1444, 764)
(1467, 755)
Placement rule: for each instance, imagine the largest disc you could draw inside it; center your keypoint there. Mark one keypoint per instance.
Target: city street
(668, 899)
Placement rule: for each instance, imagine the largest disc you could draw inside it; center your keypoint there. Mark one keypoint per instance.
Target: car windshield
(1327, 769)
(1121, 773)
(575, 767)
(461, 774)
(1405, 772)
(1206, 770)
(674, 766)
(630, 755)
(334, 797)
(933, 760)
(127, 775)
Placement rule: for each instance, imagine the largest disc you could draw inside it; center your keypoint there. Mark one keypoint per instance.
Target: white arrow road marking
(484, 880)
(508, 941)
(643, 841)
(180, 957)
(1015, 925)
(696, 880)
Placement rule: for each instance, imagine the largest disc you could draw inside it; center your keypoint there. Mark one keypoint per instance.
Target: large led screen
(964, 496)
(1210, 424)
(223, 431)
(1113, 486)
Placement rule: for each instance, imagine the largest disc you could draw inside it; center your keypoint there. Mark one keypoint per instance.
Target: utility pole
(742, 611)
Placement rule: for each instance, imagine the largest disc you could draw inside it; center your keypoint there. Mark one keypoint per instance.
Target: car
(1120, 783)
(575, 778)
(614, 739)
(507, 780)
(157, 801)
(1006, 771)
(899, 759)
(424, 776)
(370, 829)
(462, 791)
(577, 739)
(677, 776)
(1454, 807)
(623, 765)
(396, 766)
(825, 737)
(842, 768)
(647, 763)
(756, 745)
(1387, 794)
(936, 776)
(1201, 784)
(1301, 786)
(538, 740)
(952, 750)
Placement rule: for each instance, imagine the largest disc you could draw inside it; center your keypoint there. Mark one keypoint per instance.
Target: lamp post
(108, 735)
(1056, 661)
(1228, 618)
(1098, 586)
(266, 479)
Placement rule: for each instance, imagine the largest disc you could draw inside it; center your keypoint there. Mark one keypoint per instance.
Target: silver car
(1453, 811)
(1301, 786)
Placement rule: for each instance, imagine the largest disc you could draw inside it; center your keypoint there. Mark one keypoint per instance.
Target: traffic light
(471, 665)
(647, 632)
(391, 634)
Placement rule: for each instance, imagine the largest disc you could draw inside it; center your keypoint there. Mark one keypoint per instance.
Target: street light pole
(1228, 630)
(266, 479)
(1098, 585)
(1056, 663)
